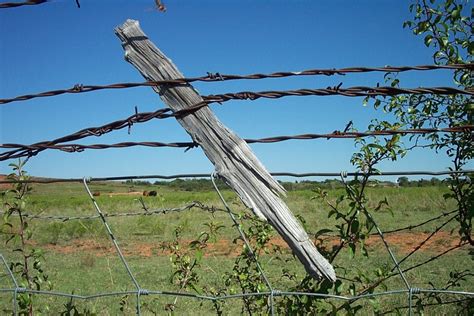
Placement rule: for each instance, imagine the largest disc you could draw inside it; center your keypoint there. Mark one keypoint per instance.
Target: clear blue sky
(56, 45)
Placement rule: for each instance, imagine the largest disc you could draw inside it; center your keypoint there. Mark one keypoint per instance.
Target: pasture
(79, 256)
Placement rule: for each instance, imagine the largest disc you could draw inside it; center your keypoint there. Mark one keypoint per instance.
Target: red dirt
(402, 242)
(124, 193)
(4, 186)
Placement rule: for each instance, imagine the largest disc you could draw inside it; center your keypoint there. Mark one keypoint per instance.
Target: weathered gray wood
(231, 156)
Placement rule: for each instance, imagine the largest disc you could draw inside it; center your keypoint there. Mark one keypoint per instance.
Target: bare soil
(4, 186)
(124, 193)
(404, 242)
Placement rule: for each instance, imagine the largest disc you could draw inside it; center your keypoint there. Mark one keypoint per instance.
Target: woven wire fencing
(271, 292)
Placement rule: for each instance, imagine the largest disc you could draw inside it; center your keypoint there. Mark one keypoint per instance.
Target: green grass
(98, 271)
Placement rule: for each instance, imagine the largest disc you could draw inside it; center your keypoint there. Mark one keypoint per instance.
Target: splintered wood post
(232, 157)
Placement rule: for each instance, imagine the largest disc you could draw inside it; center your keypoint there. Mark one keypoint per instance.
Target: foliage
(355, 225)
(246, 275)
(448, 31)
(29, 267)
(186, 261)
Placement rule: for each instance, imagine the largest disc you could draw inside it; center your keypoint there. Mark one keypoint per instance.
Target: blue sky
(56, 45)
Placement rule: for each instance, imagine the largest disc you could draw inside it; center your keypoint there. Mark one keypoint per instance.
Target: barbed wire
(141, 117)
(396, 230)
(213, 77)
(7, 5)
(275, 174)
(359, 91)
(423, 242)
(21, 150)
(104, 129)
(431, 259)
(411, 227)
(147, 212)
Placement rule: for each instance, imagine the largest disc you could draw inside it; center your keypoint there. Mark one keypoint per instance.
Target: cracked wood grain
(232, 157)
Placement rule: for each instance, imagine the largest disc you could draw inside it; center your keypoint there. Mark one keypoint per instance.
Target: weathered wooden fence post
(231, 156)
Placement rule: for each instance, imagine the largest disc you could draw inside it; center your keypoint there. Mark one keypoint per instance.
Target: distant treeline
(182, 184)
(206, 184)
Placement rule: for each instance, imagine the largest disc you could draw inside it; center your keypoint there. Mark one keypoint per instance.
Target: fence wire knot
(415, 290)
(20, 290)
(143, 292)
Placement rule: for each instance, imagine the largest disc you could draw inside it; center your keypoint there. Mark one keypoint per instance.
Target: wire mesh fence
(272, 292)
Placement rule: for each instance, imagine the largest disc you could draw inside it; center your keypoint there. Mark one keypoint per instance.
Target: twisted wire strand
(212, 77)
(8, 5)
(359, 91)
(65, 218)
(22, 150)
(99, 130)
(276, 174)
(240, 295)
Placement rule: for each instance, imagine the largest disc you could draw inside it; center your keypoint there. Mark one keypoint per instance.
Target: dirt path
(403, 242)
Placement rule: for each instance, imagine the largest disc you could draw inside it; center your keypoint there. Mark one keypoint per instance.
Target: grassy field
(80, 258)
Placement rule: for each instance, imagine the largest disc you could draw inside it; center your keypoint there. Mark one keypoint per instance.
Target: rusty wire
(7, 5)
(212, 77)
(21, 150)
(379, 173)
(245, 95)
(141, 117)
(359, 91)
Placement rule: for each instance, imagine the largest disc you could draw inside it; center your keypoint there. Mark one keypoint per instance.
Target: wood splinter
(232, 157)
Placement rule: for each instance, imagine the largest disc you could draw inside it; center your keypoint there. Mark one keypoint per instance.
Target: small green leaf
(352, 250)
(198, 255)
(322, 232)
(428, 39)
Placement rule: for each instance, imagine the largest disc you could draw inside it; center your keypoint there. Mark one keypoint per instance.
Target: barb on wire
(34, 149)
(98, 130)
(348, 92)
(160, 6)
(7, 5)
(21, 150)
(212, 77)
